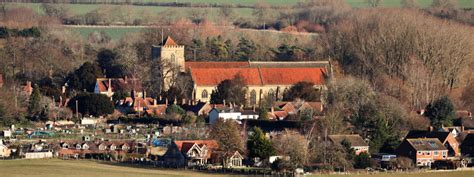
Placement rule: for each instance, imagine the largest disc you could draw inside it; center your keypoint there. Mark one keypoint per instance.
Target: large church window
(204, 94)
(253, 97)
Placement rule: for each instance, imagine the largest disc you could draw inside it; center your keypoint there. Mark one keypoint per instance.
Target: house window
(428, 153)
(436, 153)
(253, 97)
(419, 152)
(204, 94)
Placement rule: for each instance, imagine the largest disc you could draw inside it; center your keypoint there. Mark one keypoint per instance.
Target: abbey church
(261, 78)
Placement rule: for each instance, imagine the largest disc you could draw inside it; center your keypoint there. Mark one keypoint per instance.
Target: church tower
(171, 57)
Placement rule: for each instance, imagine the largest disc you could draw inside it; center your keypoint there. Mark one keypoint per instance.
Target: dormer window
(78, 146)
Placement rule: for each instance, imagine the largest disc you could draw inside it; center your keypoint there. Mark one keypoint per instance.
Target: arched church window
(173, 58)
(253, 97)
(271, 93)
(204, 94)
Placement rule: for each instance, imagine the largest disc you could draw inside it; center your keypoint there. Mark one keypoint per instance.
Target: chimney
(133, 94)
(273, 109)
(223, 102)
(183, 101)
(125, 79)
(430, 128)
(154, 102)
(175, 101)
(109, 87)
(231, 106)
(144, 94)
(462, 128)
(166, 102)
(253, 107)
(161, 98)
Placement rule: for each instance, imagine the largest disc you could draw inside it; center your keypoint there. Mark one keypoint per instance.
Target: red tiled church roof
(200, 64)
(289, 76)
(213, 76)
(169, 42)
(258, 76)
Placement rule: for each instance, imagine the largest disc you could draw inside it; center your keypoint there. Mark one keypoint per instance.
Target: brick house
(423, 151)
(446, 138)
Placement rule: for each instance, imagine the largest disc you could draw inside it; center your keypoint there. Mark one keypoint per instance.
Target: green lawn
(114, 33)
(86, 168)
(82, 168)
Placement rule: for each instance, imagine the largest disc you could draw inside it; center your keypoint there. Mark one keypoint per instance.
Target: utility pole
(77, 109)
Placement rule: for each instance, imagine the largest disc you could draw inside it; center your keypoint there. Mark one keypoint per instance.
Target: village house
(261, 78)
(141, 105)
(357, 143)
(196, 152)
(108, 86)
(26, 89)
(95, 149)
(446, 138)
(227, 113)
(423, 151)
(4, 150)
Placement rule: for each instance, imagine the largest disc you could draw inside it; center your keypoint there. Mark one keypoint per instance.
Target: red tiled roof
(211, 144)
(289, 76)
(116, 83)
(258, 76)
(169, 42)
(206, 64)
(213, 76)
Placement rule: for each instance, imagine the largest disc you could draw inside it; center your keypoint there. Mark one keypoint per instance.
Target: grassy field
(79, 168)
(419, 174)
(114, 33)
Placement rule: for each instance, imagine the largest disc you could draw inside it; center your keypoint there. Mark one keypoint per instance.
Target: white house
(224, 113)
(4, 150)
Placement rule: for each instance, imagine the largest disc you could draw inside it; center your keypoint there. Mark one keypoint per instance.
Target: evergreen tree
(362, 161)
(263, 114)
(85, 77)
(350, 152)
(440, 112)
(92, 104)
(258, 145)
(34, 102)
(245, 49)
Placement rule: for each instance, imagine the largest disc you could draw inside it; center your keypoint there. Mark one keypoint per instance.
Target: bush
(281, 165)
(362, 161)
